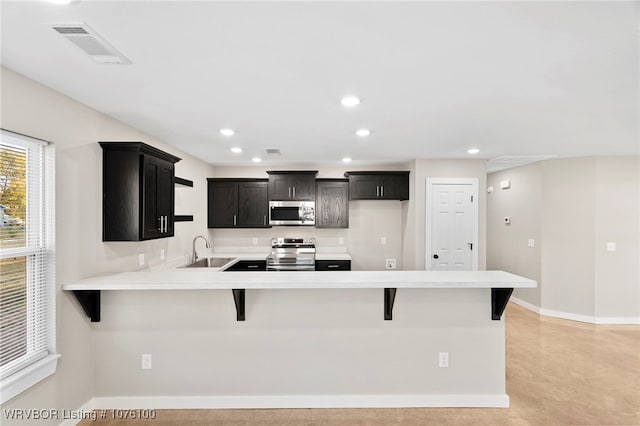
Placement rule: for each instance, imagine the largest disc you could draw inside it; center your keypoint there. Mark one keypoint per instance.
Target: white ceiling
(511, 78)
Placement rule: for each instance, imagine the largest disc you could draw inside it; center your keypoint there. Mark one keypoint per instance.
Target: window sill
(27, 377)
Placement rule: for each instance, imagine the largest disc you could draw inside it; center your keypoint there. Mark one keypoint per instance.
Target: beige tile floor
(559, 372)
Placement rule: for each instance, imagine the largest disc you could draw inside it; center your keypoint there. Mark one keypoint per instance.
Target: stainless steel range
(292, 254)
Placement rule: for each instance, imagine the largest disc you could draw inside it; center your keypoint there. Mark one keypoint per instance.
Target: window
(27, 286)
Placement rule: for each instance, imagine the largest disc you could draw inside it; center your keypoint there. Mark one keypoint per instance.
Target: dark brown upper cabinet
(137, 192)
(383, 185)
(238, 203)
(332, 203)
(292, 185)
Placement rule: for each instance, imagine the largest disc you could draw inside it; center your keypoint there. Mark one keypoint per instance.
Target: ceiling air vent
(90, 43)
(272, 151)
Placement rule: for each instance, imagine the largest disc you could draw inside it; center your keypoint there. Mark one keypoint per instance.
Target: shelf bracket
(389, 299)
(238, 298)
(499, 299)
(90, 302)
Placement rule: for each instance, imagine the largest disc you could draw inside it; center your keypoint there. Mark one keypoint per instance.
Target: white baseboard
(300, 401)
(524, 304)
(575, 317)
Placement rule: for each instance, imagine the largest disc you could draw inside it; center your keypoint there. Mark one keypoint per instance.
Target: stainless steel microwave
(292, 213)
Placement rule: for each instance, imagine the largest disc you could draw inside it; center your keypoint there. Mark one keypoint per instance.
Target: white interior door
(451, 236)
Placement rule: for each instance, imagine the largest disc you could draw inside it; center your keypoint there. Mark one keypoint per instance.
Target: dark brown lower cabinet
(333, 265)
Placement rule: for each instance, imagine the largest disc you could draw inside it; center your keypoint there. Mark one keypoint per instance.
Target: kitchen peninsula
(316, 339)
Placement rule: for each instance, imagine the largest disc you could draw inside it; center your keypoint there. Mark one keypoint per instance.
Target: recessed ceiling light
(346, 160)
(473, 151)
(227, 132)
(256, 159)
(350, 101)
(236, 150)
(363, 133)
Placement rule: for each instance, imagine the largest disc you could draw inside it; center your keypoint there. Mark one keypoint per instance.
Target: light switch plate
(340, 241)
(141, 259)
(163, 255)
(383, 240)
(255, 241)
(531, 242)
(146, 362)
(443, 359)
(611, 247)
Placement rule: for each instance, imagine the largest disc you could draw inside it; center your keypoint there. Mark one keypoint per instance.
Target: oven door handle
(290, 268)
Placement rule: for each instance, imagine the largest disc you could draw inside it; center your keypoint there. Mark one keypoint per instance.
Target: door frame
(474, 182)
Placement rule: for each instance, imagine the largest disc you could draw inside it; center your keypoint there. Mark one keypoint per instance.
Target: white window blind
(27, 289)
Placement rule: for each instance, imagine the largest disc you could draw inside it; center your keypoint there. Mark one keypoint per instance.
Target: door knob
(435, 256)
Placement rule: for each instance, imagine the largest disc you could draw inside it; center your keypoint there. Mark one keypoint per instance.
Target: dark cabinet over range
(381, 185)
(237, 203)
(332, 203)
(292, 185)
(137, 192)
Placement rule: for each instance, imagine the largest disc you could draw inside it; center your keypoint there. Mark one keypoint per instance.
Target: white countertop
(333, 256)
(212, 279)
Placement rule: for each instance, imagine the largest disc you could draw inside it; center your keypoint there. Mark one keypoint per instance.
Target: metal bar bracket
(499, 299)
(238, 298)
(90, 302)
(389, 299)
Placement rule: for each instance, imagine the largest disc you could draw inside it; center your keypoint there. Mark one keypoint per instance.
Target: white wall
(617, 215)
(576, 206)
(298, 345)
(507, 245)
(568, 235)
(35, 110)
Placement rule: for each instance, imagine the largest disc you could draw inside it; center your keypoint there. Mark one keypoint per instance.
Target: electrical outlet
(146, 362)
(443, 359)
(611, 247)
(255, 241)
(390, 263)
(531, 242)
(141, 259)
(340, 241)
(383, 240)
(163, 255)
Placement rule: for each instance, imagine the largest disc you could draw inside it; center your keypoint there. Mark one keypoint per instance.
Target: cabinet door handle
(165, 224)
(377, 191)
(289, 192)
(294, 192)
(382, 190)
(162, 224)
(333, 266)
(160, 229)
(235, 220)
(264, 221)
(252, 266)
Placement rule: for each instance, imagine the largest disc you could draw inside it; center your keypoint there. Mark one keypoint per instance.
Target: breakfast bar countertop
(214, 279)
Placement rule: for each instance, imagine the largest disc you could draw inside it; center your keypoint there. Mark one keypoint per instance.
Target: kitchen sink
(209, 262)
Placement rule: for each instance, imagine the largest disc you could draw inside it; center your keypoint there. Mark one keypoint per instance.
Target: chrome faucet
(194, 256)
